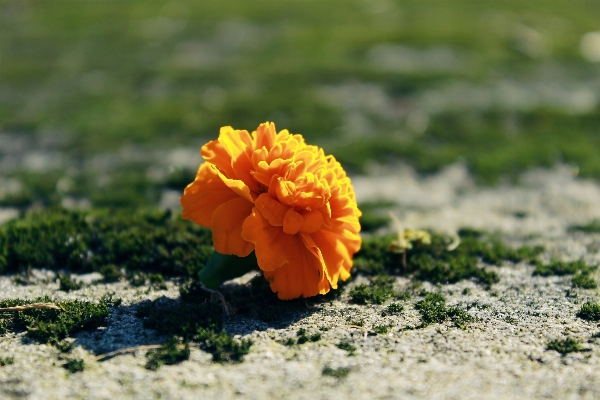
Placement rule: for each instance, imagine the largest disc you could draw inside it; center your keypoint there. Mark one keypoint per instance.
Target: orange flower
(272, 193)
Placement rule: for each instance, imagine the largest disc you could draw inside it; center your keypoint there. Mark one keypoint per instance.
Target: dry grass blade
(128, 350)
(362, 328)
(34, 306)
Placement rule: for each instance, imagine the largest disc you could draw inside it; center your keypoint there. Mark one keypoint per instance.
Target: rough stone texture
(500, 355)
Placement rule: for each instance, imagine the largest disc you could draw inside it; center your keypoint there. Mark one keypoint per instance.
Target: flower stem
(223, 267)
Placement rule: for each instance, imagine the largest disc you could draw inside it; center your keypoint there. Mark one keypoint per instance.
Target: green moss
(6, 361)
(433, 310)
(111, 273)
(50, 325)
(589, 311)
(67, 283)
(74, 365)
(180, 318)
(170, 352)
(561, 268)
(257, 300)
(583, 281)
(315, 337)
(339, 373)
(64, 346)
(157, 281)
(436, 264)
(381, 329)
(223, 347)
(394, 309)
(138, 279)
(379, 290)
(193, 291)
(564, 346)
(402, 295)
(199, 322)
(347, 346)
(303, 336)
(591, 227)
(145, 240)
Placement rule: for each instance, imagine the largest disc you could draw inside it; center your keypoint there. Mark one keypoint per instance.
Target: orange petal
(201, 197)
(227, 221)
(237, 186)
(292, 222)
(337, 250)
(285, 190)
(270, 242)
(235, 141)
(313, 220)
(271, 209)
(214, 153)
(265, 135)
(302, 276)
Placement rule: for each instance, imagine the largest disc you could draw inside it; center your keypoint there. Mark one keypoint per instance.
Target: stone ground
(500, 355)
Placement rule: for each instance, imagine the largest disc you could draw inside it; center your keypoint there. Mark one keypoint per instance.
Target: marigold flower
(272, 193)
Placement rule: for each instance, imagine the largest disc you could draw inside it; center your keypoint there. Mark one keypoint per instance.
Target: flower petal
(313, 220)
(292, 222)
(214, 153)
(337, 249)
(271, 209)
(264, 136)
(227, 221)
(271, 244)
(201, 197)
(237, 186)
(302, 276)
(235, 141)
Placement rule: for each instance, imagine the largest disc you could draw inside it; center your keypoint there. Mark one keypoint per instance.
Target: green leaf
(223, 267)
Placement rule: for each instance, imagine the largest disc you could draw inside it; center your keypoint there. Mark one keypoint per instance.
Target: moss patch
(180, 318)
(257, 300)
(591, 227)
(379, 290)
(51, 325)
(564, 346)
(393, 309)
(347, 346)
(583, 281)
(436, 264)
(6, 361)
(223, 347)
(107, 242)
(339, 373)
(170, 352)
(74, 365)
(433, 310)
(303, 336)
(561, 268)
(381, 329)
(67, 283)
(589, 311)
(199, 322)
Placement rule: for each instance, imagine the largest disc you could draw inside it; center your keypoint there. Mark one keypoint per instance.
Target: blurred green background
(106, 103)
